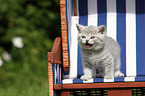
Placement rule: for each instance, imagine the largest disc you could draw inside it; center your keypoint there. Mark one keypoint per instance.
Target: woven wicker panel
(89, 92)
(103, 92)
(138, 92)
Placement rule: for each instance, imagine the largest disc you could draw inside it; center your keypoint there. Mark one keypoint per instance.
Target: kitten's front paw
(119, 74)
(85, 78)
(108, 76)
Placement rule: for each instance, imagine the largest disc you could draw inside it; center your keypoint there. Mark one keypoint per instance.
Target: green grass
(25, 90)
(24, 81)
(25, 87)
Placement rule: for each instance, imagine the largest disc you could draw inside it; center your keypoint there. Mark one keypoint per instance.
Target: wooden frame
(114, 89)
(64, 35)
(99, 85)
(55, 56)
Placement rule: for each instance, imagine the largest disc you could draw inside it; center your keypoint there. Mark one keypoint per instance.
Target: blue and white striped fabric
(57, 76)
(124, 21)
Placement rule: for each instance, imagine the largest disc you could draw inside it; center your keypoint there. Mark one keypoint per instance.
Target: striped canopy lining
(124, 21)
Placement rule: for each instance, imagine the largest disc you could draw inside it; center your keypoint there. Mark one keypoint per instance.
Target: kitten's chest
(94, 57)
(90, 56)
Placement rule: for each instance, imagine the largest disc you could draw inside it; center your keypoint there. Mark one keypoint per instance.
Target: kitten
(99, 52)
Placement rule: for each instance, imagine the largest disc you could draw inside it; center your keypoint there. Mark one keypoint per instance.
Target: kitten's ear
(80, 27)
(101, 29)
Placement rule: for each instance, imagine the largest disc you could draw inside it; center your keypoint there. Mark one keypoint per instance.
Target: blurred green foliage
(37, 22)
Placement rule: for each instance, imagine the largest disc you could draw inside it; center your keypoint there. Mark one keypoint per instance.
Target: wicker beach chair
(125, 22)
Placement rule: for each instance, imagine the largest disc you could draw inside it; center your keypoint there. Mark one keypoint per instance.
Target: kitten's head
(91, 37)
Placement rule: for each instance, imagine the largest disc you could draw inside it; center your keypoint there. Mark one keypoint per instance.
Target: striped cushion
(125, 22)
(102, 80)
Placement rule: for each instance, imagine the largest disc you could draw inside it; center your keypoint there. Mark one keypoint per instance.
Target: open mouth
(88, 45)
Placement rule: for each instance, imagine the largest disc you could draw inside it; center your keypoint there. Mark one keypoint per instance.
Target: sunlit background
(27, 31)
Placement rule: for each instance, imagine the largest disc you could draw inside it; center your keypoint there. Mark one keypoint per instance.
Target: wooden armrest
(55, 55)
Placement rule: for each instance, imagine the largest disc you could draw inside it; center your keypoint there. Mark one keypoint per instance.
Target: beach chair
(125, 22)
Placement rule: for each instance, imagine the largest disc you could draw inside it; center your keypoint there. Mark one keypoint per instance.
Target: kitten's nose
(87, 41)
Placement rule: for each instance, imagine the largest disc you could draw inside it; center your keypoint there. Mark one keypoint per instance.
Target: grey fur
(98, 52)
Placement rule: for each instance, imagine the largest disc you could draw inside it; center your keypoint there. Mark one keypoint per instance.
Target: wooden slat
(75, 8)
(65, 93)
(64, 34)
(99, 85)
(119, 92)
(50, 73)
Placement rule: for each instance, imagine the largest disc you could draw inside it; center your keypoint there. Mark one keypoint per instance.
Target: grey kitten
(98, 51)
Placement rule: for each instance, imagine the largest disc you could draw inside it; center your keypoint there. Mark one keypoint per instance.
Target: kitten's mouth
(88, 45)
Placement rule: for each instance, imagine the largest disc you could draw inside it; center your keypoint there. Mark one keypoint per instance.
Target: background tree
(36, 23)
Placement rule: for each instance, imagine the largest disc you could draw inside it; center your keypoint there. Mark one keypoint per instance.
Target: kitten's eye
(93, 37)
(83, 37)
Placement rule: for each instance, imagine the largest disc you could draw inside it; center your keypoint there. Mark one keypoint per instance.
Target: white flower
(7, 56)
(17, 42)
(1, 62)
